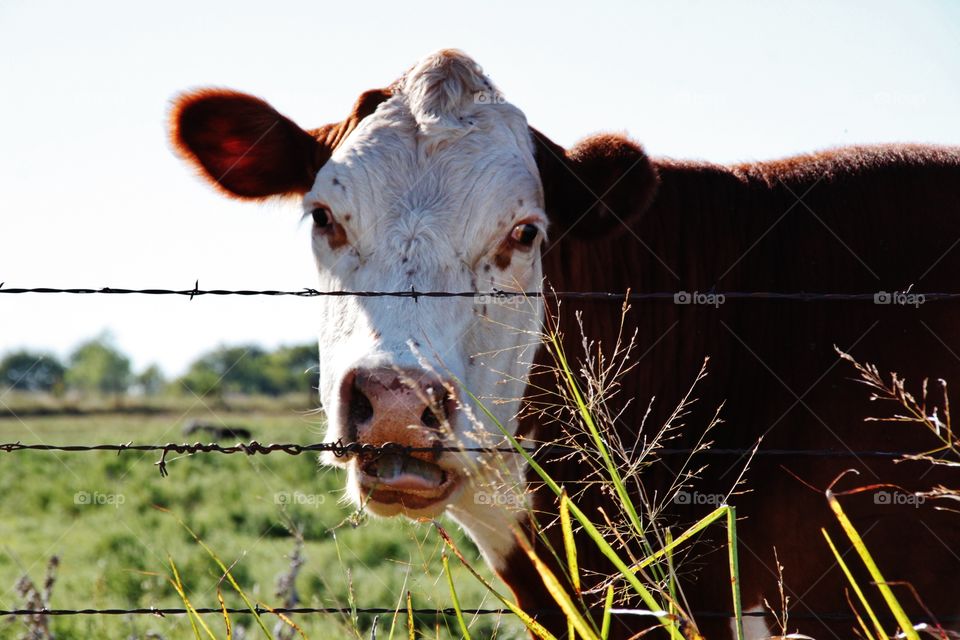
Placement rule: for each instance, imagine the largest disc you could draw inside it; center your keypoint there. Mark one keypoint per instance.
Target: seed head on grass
(36, 626)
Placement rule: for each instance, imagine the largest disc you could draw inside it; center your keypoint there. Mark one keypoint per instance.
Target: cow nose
(406, 407)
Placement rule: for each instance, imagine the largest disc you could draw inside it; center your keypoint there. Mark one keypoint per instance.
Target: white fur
(493, 507)
(432, 183)
(754, 627)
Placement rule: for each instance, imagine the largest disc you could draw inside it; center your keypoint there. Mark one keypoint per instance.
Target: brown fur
(741, 228)
(336, 236)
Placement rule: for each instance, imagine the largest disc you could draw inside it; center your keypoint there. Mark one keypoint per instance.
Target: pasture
(96, 512)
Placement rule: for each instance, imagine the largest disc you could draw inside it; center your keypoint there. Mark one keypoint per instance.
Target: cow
(197, 426)
(437, 183)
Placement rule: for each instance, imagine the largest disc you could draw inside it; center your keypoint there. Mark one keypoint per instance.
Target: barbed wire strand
(878, 297)
(355, 448)
(341, 449)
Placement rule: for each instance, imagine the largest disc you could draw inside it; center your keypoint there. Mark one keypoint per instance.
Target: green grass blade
(856, 588)
(287, 621)
(863, 625)
(621, 490)
(649, 601)
(553, 486)
(236, 587)
(535, 627)
(607, 606)
(396, 611)
(734, 569)
(226, 616)
(693, 530)
(892, 603)
(454, 598)
(671, 583)
(411, 629)
(192, 614)
(226, 574)
(856, 614)
(574, 618)
(568, 543)
(351, 600)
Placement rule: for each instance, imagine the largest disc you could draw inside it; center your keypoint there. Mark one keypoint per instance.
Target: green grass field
(96, 511)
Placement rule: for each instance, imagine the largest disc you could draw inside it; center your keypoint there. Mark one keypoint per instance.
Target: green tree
(202, 381)
(151, 380)
(251, 369)
(31, 371)
(294, 369)
(229, 369)
(97, 365)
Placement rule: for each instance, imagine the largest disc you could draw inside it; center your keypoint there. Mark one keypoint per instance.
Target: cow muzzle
(406, 416)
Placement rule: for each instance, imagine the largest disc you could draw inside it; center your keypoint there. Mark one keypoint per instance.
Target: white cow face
(435, 191)
(428, 186)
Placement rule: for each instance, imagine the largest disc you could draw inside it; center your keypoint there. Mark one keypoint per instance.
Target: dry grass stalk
(37, 624)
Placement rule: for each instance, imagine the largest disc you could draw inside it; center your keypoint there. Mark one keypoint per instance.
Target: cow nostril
(437, 411)
(359, 410)
(429, 418)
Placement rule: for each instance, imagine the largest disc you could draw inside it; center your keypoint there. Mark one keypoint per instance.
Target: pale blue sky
(90, 194)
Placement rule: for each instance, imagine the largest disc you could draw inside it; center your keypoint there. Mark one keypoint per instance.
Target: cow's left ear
(248, 150)
(242, 145)
(601, 184)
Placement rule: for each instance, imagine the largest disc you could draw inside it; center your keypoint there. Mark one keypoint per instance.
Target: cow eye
(525, 234)
(321, 217)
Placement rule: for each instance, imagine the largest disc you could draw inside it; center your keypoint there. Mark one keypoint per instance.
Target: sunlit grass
(117, 555)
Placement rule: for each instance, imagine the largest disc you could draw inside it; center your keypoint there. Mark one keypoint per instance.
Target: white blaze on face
(432, 192)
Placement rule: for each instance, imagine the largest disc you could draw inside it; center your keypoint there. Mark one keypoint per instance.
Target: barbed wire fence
(880, 297)
(340, 449)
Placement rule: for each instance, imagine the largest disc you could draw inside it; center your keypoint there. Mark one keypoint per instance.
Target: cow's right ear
(602, 184)
(244, 146)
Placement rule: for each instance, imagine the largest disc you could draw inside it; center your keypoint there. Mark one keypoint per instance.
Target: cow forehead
(390, 168)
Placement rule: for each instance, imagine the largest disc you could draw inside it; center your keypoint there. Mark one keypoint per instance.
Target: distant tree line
(98, 366)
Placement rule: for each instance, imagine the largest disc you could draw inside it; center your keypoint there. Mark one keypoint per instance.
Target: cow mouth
(405, 480)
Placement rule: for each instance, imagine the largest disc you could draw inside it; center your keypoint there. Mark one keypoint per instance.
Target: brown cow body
(870, 219)
(459, 191)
